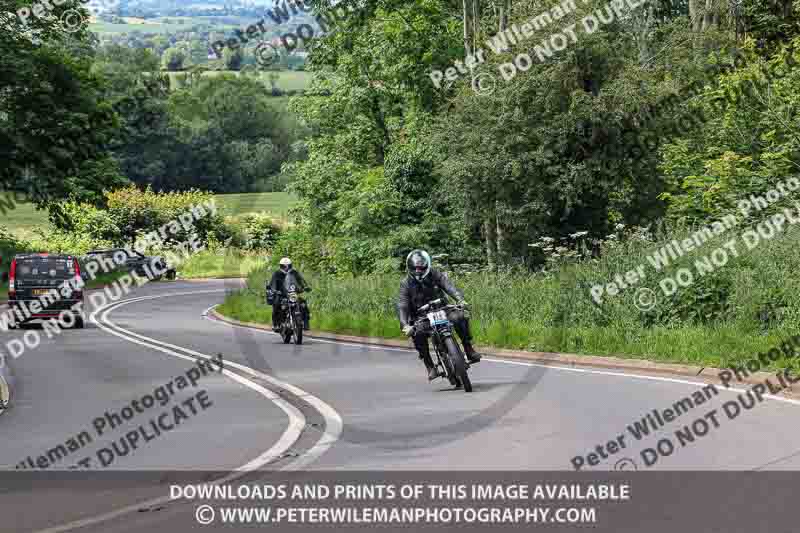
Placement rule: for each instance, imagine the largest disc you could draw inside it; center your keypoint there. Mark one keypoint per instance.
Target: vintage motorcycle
(292, 325)
(450, 359)
(292, 308)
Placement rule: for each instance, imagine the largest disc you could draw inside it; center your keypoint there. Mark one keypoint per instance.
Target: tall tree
(54, 125)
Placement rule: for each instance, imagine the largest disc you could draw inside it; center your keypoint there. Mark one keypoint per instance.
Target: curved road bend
(279, 407)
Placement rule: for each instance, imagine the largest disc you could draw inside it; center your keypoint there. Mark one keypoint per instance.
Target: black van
(34, 277)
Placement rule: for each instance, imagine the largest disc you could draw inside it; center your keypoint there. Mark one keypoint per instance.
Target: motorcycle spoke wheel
(458, 363)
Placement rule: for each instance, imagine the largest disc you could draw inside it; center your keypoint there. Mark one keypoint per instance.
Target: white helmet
(286, 262)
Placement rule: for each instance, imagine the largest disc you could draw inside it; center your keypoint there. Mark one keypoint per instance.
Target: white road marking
(296, 419)
(333, 422)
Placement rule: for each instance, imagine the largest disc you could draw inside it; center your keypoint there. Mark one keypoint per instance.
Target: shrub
(137, 212)
(65, 242)
(260, 231)
(84, 219)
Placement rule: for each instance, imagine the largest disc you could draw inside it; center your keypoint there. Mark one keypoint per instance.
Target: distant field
(288, 80)
(24, 219)
(175, 24)
(105, 27)
(276, 203)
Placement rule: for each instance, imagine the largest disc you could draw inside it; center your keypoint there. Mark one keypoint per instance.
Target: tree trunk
(643, 21)
(501, 241)
(489, 233)
(710, 16)
(696, 15)
(467, 16)
(505, 12)
(476, 17)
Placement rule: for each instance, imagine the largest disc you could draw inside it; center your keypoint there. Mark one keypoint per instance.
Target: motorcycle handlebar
(428, 305)
(423, 323)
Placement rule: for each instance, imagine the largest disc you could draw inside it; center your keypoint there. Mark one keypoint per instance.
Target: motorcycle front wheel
(298, 330)
(458, 364)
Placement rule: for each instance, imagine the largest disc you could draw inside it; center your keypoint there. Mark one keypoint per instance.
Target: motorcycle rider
(422, 286)
(278, 287)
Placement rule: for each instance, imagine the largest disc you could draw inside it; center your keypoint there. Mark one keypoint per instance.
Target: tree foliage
(621, 126)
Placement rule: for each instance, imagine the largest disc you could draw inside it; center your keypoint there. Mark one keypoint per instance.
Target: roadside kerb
(704, 374)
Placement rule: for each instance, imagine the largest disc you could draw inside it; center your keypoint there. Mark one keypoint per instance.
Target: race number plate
(438, 317)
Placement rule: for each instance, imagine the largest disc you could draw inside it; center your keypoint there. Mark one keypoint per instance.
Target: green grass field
(24, 219)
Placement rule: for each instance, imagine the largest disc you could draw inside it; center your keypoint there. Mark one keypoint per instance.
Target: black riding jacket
(278, 281)
(415, 294)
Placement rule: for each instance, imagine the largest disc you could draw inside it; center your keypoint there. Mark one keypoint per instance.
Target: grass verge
(526, 313)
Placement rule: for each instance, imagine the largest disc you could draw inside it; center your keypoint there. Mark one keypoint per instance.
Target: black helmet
(418, 264)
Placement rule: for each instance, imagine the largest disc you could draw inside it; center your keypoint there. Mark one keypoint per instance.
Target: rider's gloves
(408, 330)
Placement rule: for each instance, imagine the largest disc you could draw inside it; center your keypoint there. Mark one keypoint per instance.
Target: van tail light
(78, 281)
(12, 291)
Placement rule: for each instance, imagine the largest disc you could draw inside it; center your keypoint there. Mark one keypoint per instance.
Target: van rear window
(44, 268)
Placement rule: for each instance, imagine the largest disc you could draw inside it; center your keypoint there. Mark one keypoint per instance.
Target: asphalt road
(324, 406)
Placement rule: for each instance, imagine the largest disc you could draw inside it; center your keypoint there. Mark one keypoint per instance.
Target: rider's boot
(433, 373)
(472, 356)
